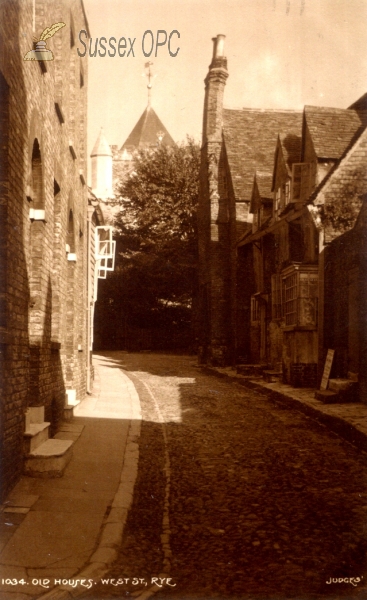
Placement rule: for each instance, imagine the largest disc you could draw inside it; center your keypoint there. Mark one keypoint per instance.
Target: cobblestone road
(237, 497)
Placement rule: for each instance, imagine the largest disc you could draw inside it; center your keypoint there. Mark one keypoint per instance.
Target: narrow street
(237, 497)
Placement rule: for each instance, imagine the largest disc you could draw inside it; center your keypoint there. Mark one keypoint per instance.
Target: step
(346, 387)
(49, 459)
(250, 370)
(34, 436)
(69, 411)
(271, 376)
(327, 396)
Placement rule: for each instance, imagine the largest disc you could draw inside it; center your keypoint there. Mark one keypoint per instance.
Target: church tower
(110, 164)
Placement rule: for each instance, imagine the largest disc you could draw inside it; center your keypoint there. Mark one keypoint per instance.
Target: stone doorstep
(341, 385)
(49, 459)
(34, 436)
(272, 376)
(327, 396)
(250, 369)
(68, 413)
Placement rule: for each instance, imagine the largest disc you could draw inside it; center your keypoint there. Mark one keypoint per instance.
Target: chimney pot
(218, 46)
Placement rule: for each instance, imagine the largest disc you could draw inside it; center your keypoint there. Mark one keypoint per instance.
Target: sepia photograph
(183, 299)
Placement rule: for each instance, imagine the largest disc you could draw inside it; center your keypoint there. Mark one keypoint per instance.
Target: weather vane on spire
(149, 75)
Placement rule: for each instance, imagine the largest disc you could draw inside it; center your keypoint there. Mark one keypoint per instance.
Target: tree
(156, 233)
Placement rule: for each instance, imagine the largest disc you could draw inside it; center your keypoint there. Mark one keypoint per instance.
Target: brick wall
(216, 214)
(39, 172)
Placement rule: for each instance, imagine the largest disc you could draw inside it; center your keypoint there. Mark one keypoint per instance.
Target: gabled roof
(291, 143)
(263, 180)
(288, 148)
(344, 187)
(360, 104)
(261, 189)
(147, 132)
(333, 129)
(101, 147)
(250, 137)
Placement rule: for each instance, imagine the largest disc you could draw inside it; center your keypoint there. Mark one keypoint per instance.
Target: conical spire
(102, 168)
(101, 147)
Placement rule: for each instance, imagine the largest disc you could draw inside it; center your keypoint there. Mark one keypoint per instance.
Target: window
(105, 249)
(278, 196)
(107, 263)
(276, 297)
(299, 295)
(287, 192)
(81, 74)
(72, 32)
(104, 243)
(290, 299)
(255, 309)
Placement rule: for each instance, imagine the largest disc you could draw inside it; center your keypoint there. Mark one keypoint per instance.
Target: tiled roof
(333, 129)
(146, 132)
(250, 136)
(291, 143)
(261, 189)
(346, 185)
(264, 181)
(360, 104)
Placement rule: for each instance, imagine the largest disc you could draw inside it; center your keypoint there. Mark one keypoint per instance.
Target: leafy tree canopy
(156, 234)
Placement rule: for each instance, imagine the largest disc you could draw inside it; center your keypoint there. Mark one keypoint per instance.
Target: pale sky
(281, 54)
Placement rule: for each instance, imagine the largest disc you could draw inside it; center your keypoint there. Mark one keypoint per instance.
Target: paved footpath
(238, 496)
(68, 528)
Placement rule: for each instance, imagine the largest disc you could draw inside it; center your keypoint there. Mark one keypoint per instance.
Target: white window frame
(104, 247)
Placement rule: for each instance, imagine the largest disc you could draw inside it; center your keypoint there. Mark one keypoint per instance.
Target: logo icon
(41, 52)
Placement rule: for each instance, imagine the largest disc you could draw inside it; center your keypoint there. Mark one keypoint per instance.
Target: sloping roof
(250, 137)
(264, 181)
(333, 129)
(146, 131)
(261, 189)
(291, 143)
(360, 104)
(101, 147)
(289, 149)
(345, 186)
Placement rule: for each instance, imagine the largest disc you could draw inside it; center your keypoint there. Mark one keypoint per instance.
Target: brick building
(43, 217)
(260, 239)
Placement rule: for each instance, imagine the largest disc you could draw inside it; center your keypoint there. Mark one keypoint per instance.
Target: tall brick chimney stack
(214, 334)
(214, 91)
